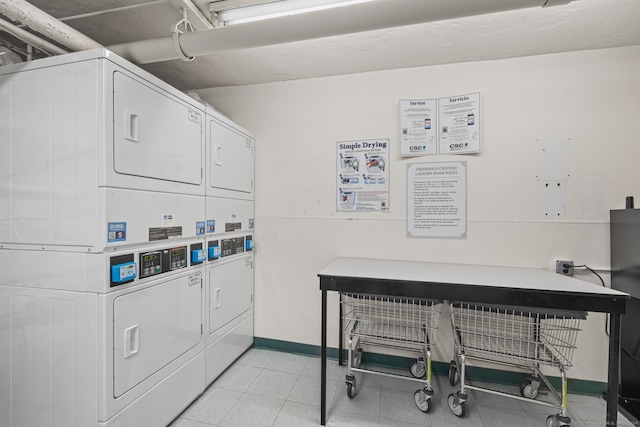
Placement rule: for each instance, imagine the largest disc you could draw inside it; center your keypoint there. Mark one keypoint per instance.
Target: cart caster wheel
(457, 407)
(529, 388)
(423, 402)
(351, 386)
(357, 358)
(351, 390)
(454, 376)
(558, 421)
(418, 368)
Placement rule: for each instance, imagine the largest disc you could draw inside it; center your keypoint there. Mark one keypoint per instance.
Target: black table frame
(614, 305)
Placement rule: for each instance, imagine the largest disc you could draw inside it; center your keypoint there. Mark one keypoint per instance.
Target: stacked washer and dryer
(126, 244)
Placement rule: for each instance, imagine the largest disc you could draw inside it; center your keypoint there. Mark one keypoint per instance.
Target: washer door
(230, 291)
(153, 327)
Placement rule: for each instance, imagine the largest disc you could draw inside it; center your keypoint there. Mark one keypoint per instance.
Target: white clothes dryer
(97, 154)
(230, 156)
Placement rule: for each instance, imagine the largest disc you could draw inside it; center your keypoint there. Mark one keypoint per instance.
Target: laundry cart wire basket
(391, 322)
(514, 336)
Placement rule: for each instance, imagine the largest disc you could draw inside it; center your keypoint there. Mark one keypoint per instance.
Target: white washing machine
(154, 365)
(228, 283)
(131, 355)
(97, 154)
(229, 309)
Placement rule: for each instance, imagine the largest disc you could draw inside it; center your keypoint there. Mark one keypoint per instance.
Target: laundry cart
(514, 336)
(391, 322)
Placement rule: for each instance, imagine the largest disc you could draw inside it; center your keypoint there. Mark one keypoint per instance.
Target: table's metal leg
(323, 362)
(614, 371)
(340, 357)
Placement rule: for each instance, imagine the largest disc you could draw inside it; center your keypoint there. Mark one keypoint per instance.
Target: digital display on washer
(238, 245)
(150, 264)
(227, 247)
(177, 258)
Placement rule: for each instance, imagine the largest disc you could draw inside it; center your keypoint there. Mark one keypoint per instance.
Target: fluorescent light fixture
(278, 9)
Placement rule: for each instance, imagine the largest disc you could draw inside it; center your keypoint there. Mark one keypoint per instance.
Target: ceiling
(579, 25)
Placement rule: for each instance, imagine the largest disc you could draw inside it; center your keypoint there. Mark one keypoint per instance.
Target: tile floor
(270, 388)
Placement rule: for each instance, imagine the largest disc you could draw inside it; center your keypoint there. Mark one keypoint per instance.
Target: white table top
(535, 279)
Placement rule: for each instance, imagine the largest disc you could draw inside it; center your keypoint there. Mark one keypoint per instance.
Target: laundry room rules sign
(362, 178)
(437, 199)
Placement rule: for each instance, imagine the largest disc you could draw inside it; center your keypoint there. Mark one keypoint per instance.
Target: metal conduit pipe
(31, 39)
(45, 24)
(377, 15)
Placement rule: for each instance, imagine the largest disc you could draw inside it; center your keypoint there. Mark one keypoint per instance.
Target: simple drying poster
(363, 175)
(448, 125)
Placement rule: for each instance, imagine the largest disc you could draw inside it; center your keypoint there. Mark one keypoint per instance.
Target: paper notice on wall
(418, 127)
(362, 182)
(437, 199)
(459, 124)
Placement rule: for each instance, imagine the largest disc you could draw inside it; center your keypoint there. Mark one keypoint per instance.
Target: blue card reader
(198, 256)
(214, 252)
(125, 272)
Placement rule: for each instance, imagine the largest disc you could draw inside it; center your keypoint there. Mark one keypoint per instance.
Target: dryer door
(153, 327)
(230, 159)
(155, 136)
(230, 291)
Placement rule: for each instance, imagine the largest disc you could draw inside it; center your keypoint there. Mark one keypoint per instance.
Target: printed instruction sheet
(362, 179)
(448, 125)
(459, 124)
(418, 127)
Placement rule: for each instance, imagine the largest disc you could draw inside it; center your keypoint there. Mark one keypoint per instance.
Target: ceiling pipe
(377, 15)
(45, 24)
(31, 39)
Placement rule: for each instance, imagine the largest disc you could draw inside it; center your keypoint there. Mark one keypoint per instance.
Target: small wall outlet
(564, 267)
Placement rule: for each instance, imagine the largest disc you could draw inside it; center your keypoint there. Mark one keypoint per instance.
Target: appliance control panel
(177, 258)
(150, 264)
(157, 262)
(232, 246)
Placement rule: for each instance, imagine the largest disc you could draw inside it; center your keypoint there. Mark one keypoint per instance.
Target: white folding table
(513, 286)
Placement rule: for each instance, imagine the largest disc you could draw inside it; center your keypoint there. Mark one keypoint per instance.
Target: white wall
(592, 97)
